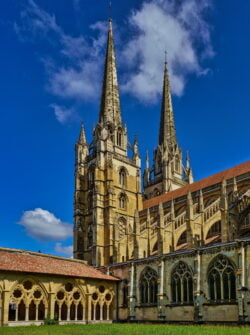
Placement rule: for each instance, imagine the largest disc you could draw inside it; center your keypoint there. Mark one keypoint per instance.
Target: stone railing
(180, 220)
(211, 210)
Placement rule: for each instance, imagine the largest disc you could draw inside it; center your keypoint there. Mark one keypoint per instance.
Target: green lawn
(124, 329)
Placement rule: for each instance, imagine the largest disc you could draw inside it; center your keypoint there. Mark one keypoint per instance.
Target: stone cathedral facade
(180, 248)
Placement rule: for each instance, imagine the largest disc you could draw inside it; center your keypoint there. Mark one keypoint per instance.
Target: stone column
(5, 308)
(52, 305)
(242, 301)
(101, 312)
(16, 316)
(59, 312)
(198, 293)
(89, 308)
(76, 306)
(68, 312)
(132, 293)
(27, 313)
(108, 312)
(36, 312)
(224, 212)
(161, 292)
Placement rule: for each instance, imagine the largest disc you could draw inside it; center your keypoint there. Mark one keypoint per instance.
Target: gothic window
(182, 284)
(91, 176)
(148, 287)
(177, 164)
(90, 236)
(119, 138)
(221, 280)
(122, 177)
(122, 201)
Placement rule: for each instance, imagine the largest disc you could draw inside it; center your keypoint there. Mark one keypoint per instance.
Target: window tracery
(28, 302)
(182, 284)
(122, 177)
(101, 303)
(221, 280)
(70, 303)
(148, 287)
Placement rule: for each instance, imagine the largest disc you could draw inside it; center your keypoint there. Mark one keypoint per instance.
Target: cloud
(75, 71)
(67, 250)
(179, 28)
(62, 114)
(43, 225)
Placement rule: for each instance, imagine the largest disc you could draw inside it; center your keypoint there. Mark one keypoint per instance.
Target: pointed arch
(221, 279)
(148, 286)
(182, 284)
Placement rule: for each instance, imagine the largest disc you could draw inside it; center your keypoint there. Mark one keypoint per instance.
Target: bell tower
(167, 173)
(107, 180)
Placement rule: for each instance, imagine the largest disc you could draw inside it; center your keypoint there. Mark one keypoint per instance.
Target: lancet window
(221, 280)
(122, 177)
(148, 287)
(182, 284)
(122, 201)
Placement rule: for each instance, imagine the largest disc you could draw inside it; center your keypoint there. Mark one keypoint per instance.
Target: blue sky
(51, 64)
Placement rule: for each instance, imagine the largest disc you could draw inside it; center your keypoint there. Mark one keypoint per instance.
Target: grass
(124, 329)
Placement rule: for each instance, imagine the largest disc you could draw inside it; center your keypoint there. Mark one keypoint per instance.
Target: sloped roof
(200, 184)
(30, 262)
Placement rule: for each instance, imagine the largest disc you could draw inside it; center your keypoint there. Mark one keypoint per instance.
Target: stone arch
(221, 279)
(214, 232)
(178, 234)
(208, 225)
(123, 175)
(123, 200)
(28, 301)
(148, 286)
(182, 283)
(70, 302)
(101, 303)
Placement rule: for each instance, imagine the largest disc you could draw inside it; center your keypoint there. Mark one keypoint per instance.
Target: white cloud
(179, 28)
(62, 114)
(43, 225)
(67, 250)
(75, 72)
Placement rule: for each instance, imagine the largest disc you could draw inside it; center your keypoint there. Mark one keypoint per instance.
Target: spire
(167, 126)
(82, 136)
(147, 160)
(110, 101)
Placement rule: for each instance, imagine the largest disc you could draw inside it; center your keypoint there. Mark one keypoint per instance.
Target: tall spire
(110, 101)
(82, 136)
(167, 127)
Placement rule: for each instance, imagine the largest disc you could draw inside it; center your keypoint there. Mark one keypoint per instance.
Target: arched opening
(64, 310)
(32, 311)
(221, 280)
(182, 284)
(182, 242)
(91, 176)
(119, 137)
(21, 311)
(148, 287)
(123, 201)
(214, 233)
(122, 177)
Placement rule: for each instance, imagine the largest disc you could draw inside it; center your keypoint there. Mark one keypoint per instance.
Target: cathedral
(152, 246)
(180, 248)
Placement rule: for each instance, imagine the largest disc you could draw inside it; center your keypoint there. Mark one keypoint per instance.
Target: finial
(110, 11)
(147, 160)
(187, 160)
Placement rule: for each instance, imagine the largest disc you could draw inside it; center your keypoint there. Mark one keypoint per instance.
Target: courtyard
(124, 329)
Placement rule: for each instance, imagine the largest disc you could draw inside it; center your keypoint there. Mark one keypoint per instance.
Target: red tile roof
(25, 261)
(201, 184)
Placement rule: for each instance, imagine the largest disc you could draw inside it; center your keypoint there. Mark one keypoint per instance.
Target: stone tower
(168, 172)
(107, 180)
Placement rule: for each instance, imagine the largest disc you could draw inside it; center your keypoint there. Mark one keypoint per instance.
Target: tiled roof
(201, 184)
(25, 261)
